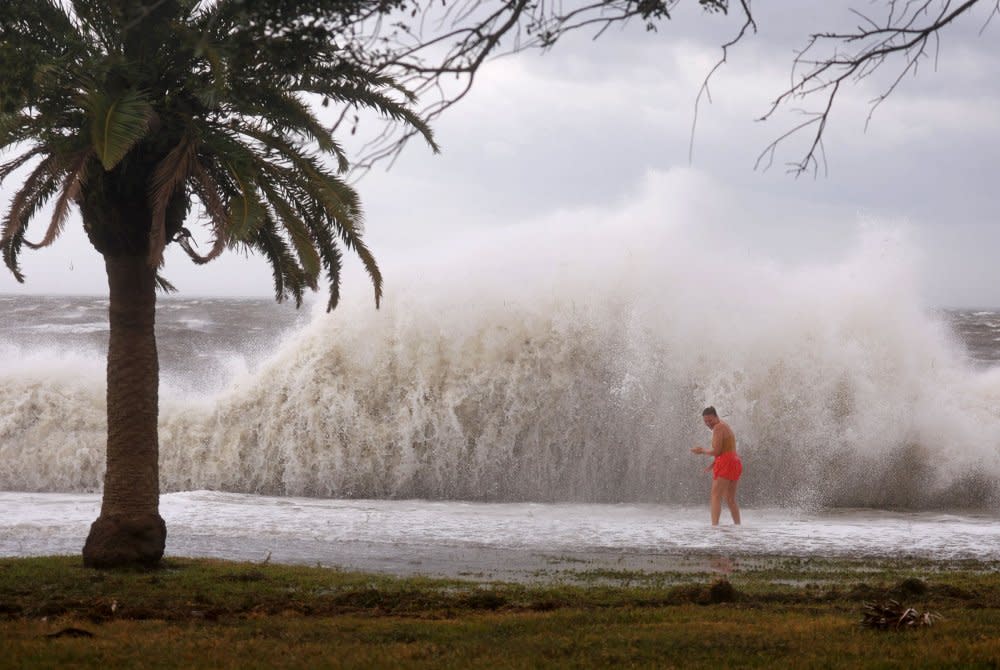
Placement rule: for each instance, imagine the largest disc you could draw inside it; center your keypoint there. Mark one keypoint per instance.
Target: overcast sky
(601, 127)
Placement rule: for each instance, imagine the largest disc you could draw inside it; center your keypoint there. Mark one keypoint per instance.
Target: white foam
(404, 533)
(569, 361)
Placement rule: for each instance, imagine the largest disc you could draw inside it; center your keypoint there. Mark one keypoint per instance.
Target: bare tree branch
(748, 23)
(435, 49)
(909, 33)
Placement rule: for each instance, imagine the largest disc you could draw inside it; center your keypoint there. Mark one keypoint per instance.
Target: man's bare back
(723, 438)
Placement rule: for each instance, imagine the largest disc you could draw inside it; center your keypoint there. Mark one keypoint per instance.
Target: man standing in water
(726, 468)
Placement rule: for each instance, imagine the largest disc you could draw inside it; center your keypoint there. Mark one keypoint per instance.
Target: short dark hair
(709, 411)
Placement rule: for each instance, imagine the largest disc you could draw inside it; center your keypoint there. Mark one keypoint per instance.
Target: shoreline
(593, 567)
(501, 541)
(492, 565)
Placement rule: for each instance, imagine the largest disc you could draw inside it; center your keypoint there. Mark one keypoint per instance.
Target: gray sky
(596, 128)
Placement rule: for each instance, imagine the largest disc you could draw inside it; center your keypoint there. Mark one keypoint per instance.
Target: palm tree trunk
(130, 530)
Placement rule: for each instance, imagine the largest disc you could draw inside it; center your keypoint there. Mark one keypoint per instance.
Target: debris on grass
(891, 615)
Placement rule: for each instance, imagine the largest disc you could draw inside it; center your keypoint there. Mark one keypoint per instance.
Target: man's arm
(716, 444)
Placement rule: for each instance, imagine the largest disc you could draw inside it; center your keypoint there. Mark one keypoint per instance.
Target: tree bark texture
(130, 530)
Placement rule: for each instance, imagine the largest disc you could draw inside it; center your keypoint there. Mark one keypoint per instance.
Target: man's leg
(730, 495)
(716, 499)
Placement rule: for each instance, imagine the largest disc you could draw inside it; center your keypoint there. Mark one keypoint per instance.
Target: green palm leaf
(299, 233)
(217, 103)
(246, 213)
(117, 124)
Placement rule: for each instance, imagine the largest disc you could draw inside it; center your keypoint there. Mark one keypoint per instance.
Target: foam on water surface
(543, 365)
(500, 539)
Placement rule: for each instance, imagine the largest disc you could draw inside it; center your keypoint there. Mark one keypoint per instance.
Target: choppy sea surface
(509, 418)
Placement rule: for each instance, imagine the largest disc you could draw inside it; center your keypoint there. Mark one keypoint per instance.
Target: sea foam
(569, 361)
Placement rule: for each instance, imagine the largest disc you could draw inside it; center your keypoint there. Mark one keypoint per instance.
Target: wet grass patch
(204, 613)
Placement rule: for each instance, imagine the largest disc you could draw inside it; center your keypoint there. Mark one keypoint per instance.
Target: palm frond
(339, 199)
(246, 212)
(11, 249)
(163, 285)
(360, 96)
(299, 233)
(25, 201)
(33, 35)
(99, 20)
(7, 168)
(371, 267)
(204, 49)
(333, 262)
(168, 177)
(304, 121)
(313, 215)
(117, 124)
(283, 110)
(13, 128)
(69, 192)
(289, 279)
(330, 255)
(40, 185)
(240, 179)
(339, 208)
(210, 195)
(324, 204)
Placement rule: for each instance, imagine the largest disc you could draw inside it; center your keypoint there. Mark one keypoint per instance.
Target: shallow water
(500, 540)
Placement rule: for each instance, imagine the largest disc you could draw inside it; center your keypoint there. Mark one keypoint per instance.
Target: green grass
(201, 613)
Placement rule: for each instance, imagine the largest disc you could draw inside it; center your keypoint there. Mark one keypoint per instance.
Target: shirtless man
(726, 468)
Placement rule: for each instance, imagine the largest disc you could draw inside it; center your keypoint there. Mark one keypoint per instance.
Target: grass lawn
(203, 613)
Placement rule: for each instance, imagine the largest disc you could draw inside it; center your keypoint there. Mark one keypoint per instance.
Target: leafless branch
(910, 32)
(748, 23)
(436, 49)
(993, 12)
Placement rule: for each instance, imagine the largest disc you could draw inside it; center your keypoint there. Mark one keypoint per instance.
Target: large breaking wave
(567, 363)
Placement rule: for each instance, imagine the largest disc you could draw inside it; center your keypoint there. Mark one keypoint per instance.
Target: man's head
(710, 416)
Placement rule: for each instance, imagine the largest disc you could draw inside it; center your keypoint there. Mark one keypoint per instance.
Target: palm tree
(136, 111)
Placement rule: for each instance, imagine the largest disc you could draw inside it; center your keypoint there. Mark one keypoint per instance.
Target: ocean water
(497, 386)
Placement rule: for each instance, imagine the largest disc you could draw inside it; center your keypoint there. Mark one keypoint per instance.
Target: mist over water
(563, 363)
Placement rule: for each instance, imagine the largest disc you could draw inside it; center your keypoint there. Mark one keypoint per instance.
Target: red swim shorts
(728, 466)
